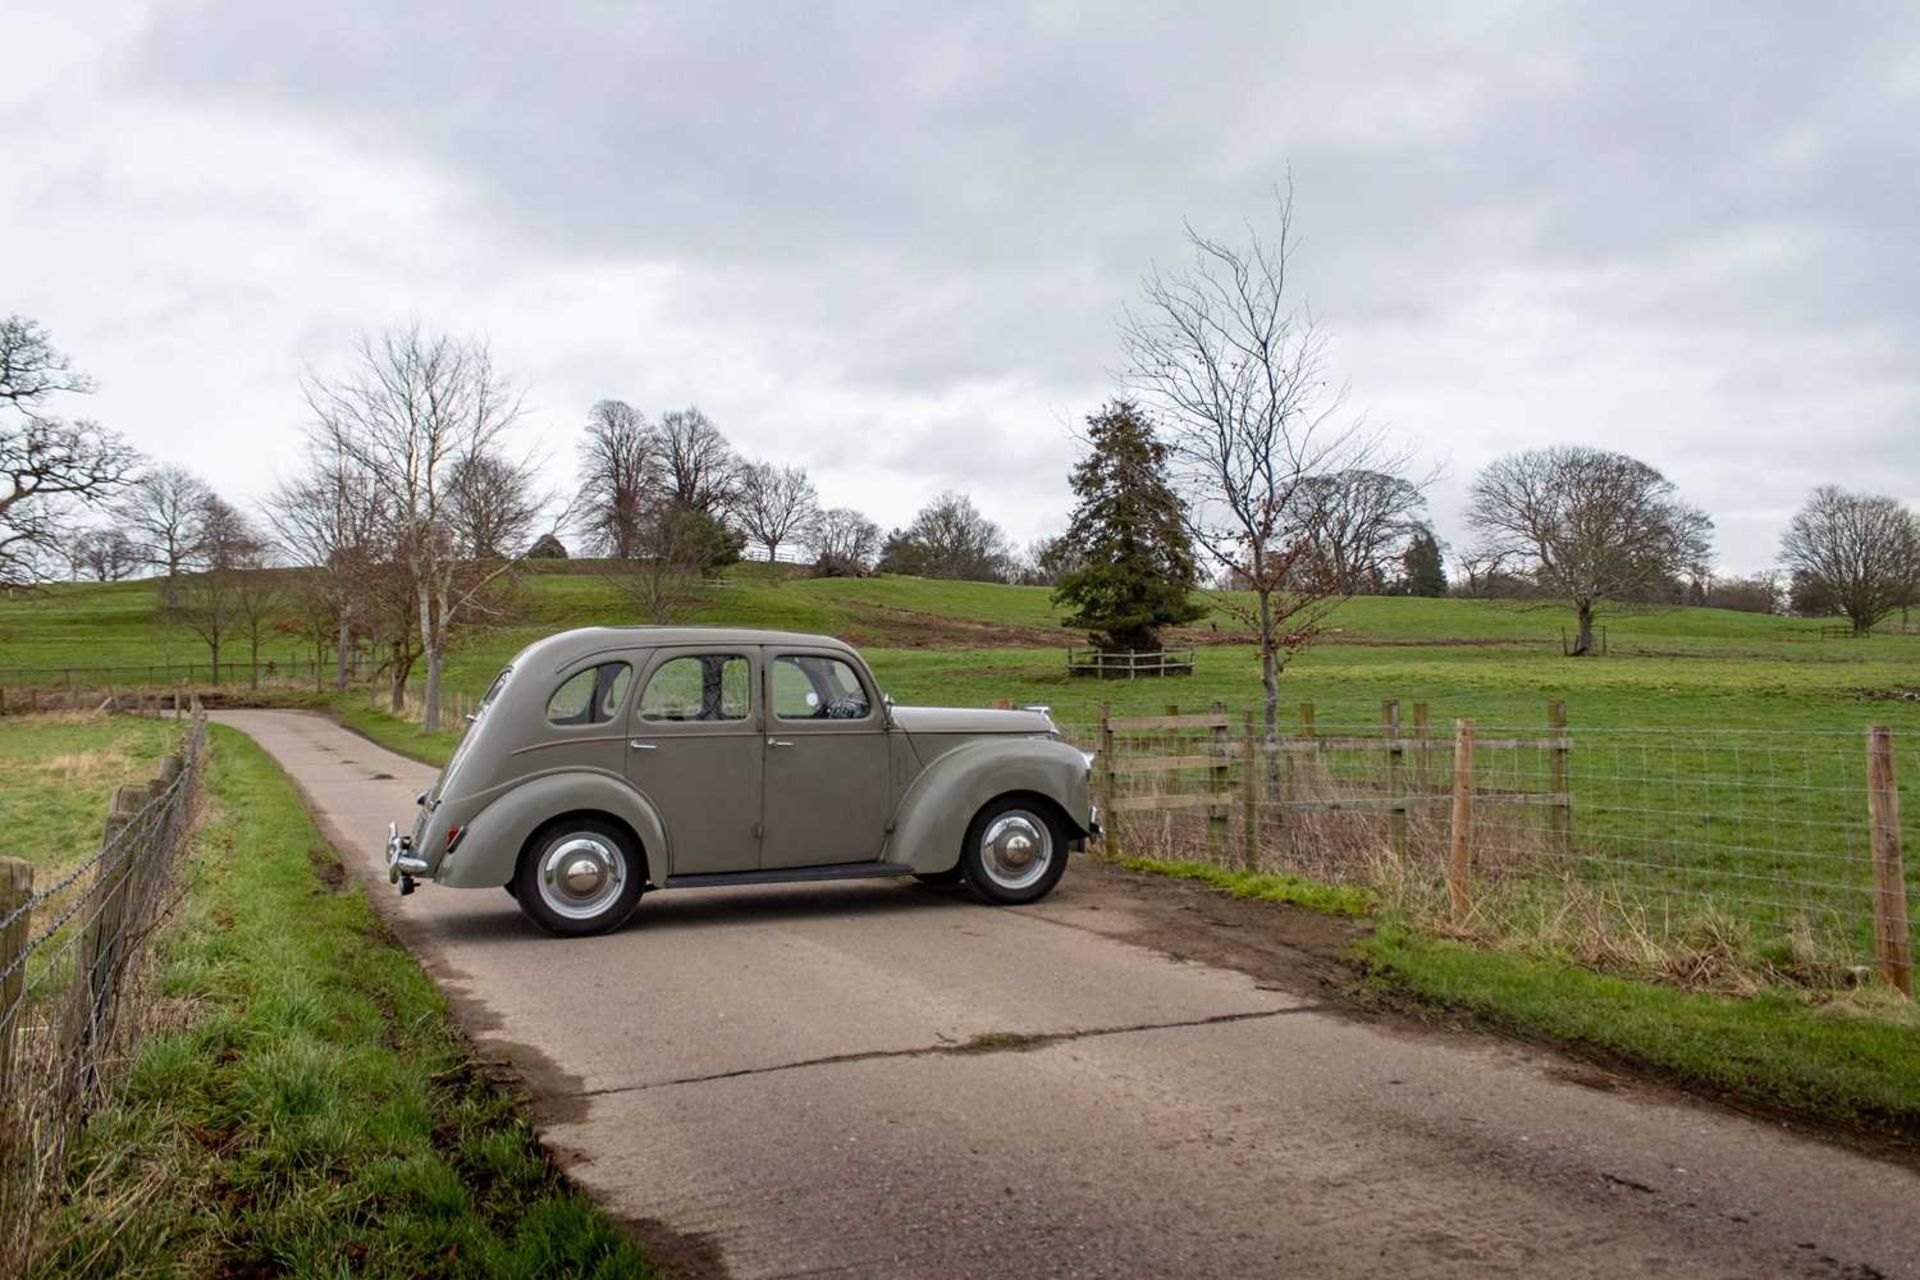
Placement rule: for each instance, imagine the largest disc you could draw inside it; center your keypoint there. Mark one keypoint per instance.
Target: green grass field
(309, 1109)
(973, 643)
(57, 773)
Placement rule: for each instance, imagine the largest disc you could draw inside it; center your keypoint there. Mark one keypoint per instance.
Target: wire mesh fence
(72, 967)
(1716, 858)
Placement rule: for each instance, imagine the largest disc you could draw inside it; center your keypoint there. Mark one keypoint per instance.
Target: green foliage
(1423, 571)
(1136, 570)
(703, 541)
(319, 1114)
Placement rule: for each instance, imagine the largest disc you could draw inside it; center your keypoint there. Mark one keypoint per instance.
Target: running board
(789, 875)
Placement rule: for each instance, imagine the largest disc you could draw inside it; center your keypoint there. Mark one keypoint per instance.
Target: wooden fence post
(101, 942)
(1218, 817)
(1422, 751)
(1396, 778)
(1307, 733)
(1110, 835)
(1250, 799)
(1891, 943)
(16, 890)
(1457, 894)
(1559, 815)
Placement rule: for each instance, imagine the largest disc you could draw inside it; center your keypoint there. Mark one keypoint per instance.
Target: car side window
(809, 687)
(701, 687)
(592, 696)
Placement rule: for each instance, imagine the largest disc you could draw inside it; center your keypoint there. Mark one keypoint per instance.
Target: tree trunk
(398, 667)
(213, 648)
(340, 653)
(1583, 643)
(430, 718)
(253, 661)
(430, 713)
(1270, 690)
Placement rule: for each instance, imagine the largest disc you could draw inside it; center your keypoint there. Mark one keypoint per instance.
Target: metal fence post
(1457, 896)
(16, 891)
(1891, 944)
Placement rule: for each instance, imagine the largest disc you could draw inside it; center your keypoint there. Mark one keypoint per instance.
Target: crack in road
(984, 1043)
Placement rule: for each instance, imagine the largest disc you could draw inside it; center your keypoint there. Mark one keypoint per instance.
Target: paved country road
(890, 1080)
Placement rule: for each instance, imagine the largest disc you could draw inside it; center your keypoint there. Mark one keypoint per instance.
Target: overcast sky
(892, 249)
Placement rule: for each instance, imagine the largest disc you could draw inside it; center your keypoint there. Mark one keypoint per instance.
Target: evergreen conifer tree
(1136, 569)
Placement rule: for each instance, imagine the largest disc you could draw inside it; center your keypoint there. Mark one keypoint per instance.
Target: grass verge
(1849, 1060)
(1264, 886)
(312, 1111)
(396, 734)
(1775, 1049)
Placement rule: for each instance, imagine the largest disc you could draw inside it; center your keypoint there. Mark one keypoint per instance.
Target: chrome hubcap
(1016, 849)
(581, 875)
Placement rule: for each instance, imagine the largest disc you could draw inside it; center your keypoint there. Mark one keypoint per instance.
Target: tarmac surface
(885, 1079)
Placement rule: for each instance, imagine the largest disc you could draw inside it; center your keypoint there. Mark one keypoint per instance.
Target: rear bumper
(402, 863)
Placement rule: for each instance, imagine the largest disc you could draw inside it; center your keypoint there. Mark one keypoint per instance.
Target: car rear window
(592, 696)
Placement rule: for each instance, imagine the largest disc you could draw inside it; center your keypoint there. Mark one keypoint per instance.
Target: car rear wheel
(580, 877)
(1016, 850)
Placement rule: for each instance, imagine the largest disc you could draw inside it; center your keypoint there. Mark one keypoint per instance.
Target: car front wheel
(1016, 850)
(582, 877)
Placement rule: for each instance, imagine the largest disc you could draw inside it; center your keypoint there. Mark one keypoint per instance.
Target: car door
(694, 750)
(827, 787)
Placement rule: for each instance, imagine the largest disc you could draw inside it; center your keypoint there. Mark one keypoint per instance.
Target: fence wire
(1715, 858)
(72, 969)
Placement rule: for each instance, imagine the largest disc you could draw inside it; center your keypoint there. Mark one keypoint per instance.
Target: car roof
(569, 646)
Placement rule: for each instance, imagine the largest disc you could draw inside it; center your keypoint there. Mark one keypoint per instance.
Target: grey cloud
(913, 203)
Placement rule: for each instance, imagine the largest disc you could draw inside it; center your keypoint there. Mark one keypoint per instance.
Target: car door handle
(778, 742)
(644, 746)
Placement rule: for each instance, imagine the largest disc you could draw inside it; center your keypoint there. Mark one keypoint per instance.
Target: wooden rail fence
(1262, 770)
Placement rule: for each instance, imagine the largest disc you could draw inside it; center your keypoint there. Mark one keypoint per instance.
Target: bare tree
(1853, 554)
(702, 472)
(845, 543)
(494, 508)
(774, 504)
(1357, 524)
(208, 599)
(260, 600)
(1590, 526)
(950, 538)
(621, 474)
(160, 511)
(675, 554)
(104, 555)
(48, 466)
(1237, 377)
(330, 517)
(414, 409)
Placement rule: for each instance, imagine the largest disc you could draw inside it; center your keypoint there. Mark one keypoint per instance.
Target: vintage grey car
(610, 760)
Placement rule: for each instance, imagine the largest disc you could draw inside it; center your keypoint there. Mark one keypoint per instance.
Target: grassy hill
(973, 643)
